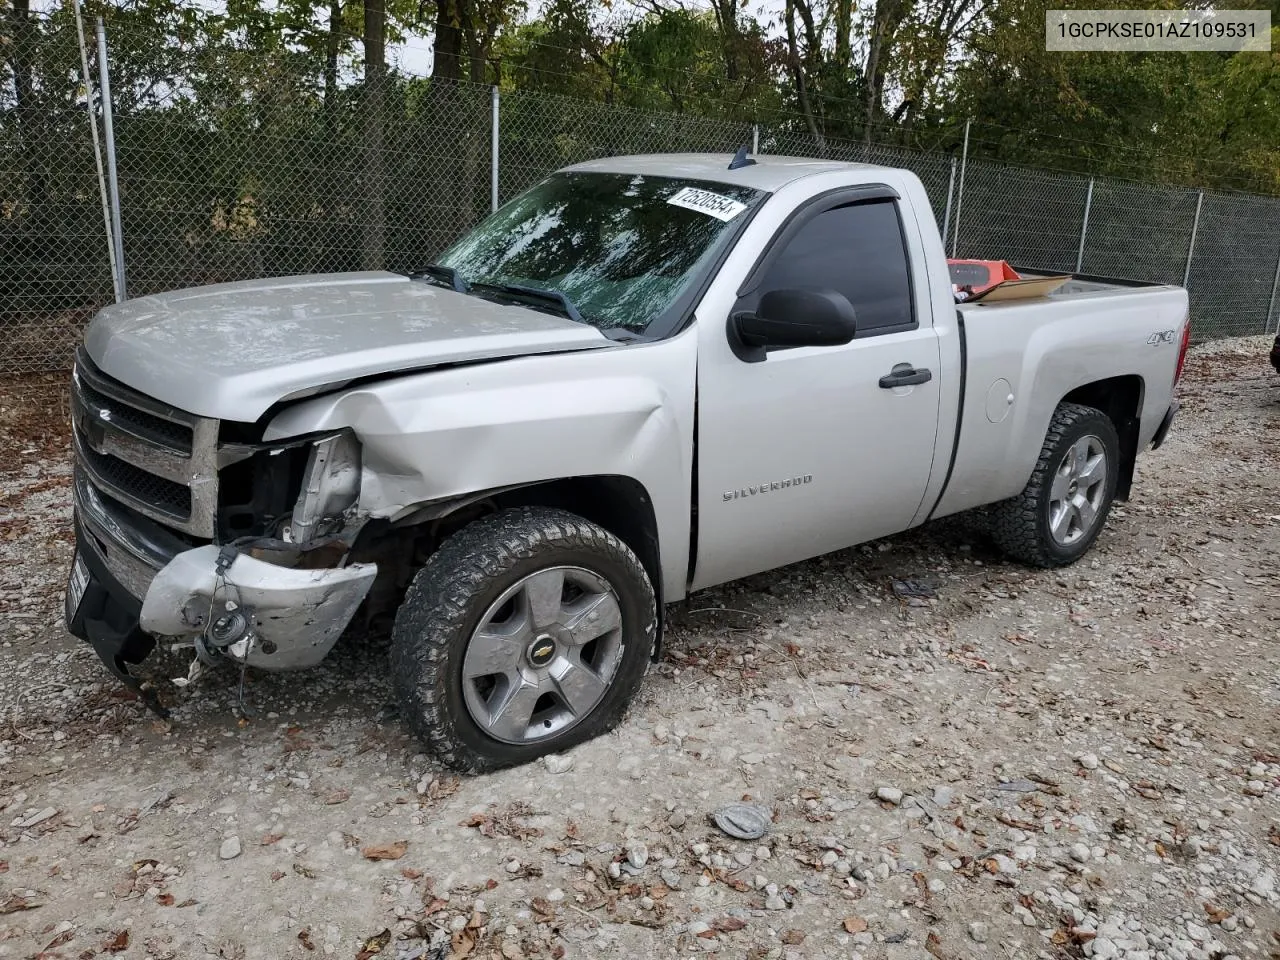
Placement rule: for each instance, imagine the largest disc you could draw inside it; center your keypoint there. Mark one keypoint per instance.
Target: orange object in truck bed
(977, 276)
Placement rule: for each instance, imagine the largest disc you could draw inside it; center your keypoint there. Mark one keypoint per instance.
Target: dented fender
(445, 434)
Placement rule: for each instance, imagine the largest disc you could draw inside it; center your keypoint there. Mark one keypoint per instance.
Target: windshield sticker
(704, 201)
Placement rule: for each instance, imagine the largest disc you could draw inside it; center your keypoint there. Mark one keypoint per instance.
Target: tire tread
(439, 600)
(1014, 524)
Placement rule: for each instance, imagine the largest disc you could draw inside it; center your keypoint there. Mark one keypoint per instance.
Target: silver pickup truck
(645, 376)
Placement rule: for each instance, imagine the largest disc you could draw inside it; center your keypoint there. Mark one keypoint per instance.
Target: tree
(375, 99)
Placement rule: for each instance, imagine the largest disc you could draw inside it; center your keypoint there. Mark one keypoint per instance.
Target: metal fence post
(755, 138)
(964, 167)
(97, 153)
(1191, 247)
(1271, 304)
(113, 185)
(946, 217)
(493, 154)
(1084, 226)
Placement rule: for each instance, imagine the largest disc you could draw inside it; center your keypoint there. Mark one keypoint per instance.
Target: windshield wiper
(549, 297)
(438, 271)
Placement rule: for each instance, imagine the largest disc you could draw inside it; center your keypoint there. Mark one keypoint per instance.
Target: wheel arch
(619, 504)
(1120, 398)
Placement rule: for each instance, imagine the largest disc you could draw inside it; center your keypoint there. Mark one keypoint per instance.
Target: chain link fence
(233, 166)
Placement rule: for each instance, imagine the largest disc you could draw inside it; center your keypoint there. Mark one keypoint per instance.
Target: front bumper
(144, 582)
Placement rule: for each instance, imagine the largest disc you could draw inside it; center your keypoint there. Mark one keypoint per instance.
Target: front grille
(144, 454)
(169, 497)
(175, 436)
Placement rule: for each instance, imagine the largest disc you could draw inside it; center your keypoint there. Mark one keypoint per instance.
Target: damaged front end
(274, 602)
(256, 612)
(184, 531)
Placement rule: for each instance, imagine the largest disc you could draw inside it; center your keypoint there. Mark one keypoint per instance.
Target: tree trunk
(22, 61)
(888, 18)
(446, 64)
(332, 45)
(726, 12)
(374, 231)
(797, 74)
(844, 25)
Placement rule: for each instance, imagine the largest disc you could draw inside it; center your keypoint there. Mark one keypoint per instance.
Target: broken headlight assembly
(330, 487)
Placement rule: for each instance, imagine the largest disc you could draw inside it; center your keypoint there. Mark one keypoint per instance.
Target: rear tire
(526, 633)
(1064, 506)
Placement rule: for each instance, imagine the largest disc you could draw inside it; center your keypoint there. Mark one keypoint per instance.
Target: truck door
(814, 449)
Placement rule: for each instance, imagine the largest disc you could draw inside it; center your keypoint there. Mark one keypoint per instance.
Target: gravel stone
(889, 795)
(637, 855)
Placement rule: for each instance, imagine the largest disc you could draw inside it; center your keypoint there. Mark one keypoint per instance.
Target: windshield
(620, 247)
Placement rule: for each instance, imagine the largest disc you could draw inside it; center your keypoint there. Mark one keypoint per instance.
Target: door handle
(905, 375)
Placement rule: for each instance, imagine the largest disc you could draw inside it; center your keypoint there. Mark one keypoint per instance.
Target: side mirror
(795, 318)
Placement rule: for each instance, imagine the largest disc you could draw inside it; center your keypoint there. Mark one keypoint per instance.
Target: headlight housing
(330, 486)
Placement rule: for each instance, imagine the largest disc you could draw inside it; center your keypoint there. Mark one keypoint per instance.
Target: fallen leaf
(464, 941)
(271, 838)
(16, 902)
(854, 924)
(728, 924)
(303, 871)
(337, 796)
(461, 945)
(411, 874)
(1216, 914)
(385, 851)
(793, 938)
(934, 945)
(66, 936)
(304, 938)
(117, 944)
(165, 899)
(922, 885)
(277, 875)
(374, 945)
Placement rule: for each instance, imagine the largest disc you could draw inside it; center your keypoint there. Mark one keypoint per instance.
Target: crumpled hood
(232, 350)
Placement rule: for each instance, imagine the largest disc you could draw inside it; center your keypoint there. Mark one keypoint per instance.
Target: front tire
(526, 633)
(1064, 506)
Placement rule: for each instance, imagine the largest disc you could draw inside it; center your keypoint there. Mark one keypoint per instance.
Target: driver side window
(858, 250)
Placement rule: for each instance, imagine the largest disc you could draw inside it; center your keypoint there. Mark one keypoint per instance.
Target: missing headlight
(330, 487)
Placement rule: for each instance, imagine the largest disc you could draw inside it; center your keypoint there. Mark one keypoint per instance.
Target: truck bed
(1023, 356)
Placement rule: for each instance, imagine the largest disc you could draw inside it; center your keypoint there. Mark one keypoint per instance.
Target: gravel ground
(1083, 762)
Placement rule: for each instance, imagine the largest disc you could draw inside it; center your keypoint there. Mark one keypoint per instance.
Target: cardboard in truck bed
(990, 281)
(1020, 289)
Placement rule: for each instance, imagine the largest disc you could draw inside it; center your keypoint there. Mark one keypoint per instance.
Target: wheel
(526, 633)
(1064, 505)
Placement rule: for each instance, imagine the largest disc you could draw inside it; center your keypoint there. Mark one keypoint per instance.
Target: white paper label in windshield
(704, 201)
